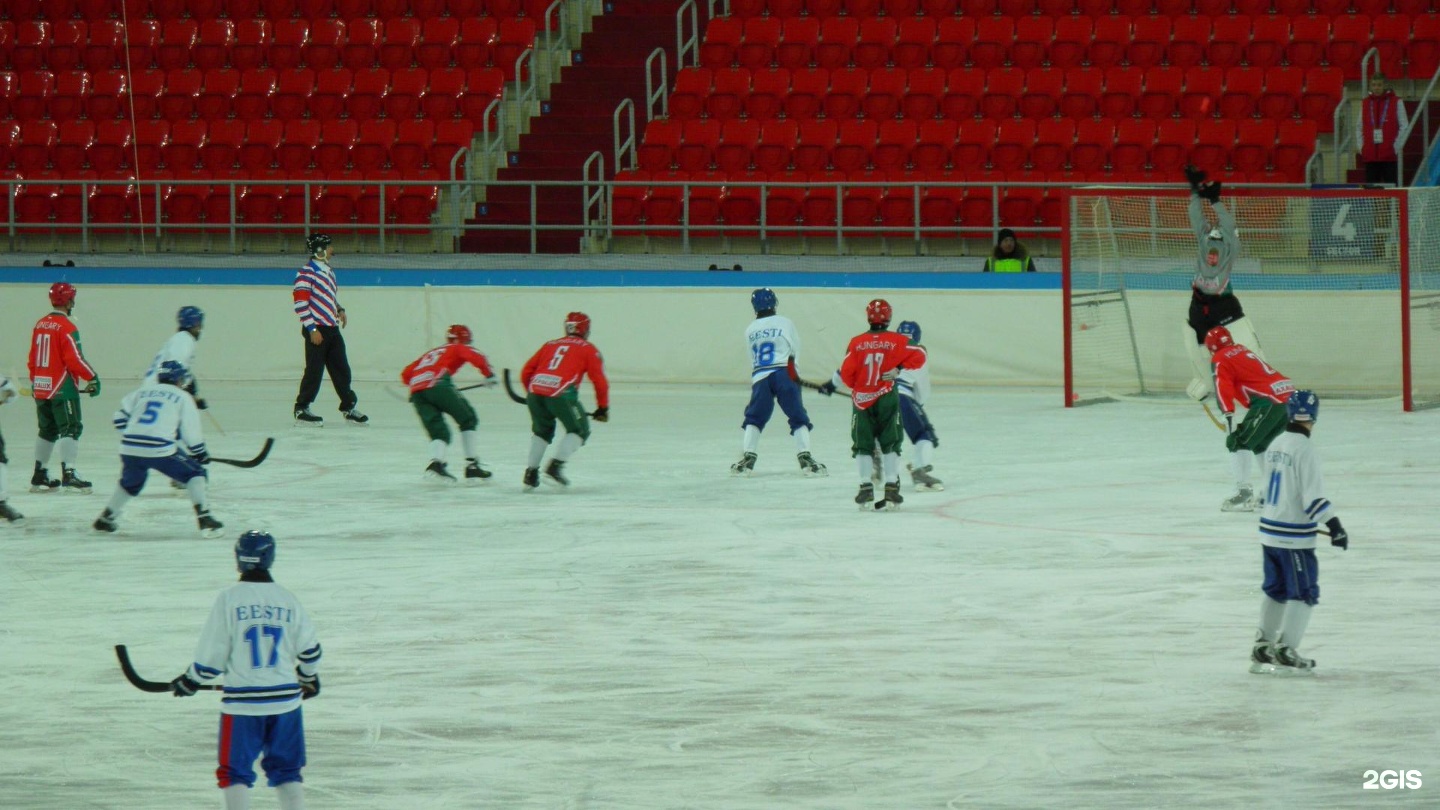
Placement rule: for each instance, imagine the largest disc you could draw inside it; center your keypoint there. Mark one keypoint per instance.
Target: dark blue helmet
(763, 300)
(190, 317)
(909, 329)
(254, 551)
(1303, 406)
(171, 372)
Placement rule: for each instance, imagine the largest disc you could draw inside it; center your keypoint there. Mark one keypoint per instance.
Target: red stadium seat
(181, 92)
(993, 36)
(109, 90)
(367, 96)
(257, 88)
(36, 88)
(912, 46)
(972, 146)
(768, 91)
(114, 147)
(257, 152)
(1003, 87)
(847, 88)
(477, 37)
(337, 139)
(1390, 35)
(297, 150)
(1149, 40)
(220, 149)
(1163, 86)
(217, 96)
(798, 38)
(66, 49)
(1350, 39)
(1014, 140)
(812, 149)
(1033, 37)
(1283, 88)
(397, 49)
(698, 140)
(181, 152)
(1228, 41)
(1254, 139)
(854, 141)
(1294, 146)
(73, 140)
(1309, 37)
(1043, 87)
(758, 41)
(362, 44)
(952, 42)
(933, 142)
(1213, 142)
(963, 89)
(32, 38)
(808, 89)
(722, 38)
(372, 148)
(332, 87)
(1112, 37)
(1201, 96)
(1081, 96)
(146, 87)
(1054, 138)
(692, 87)
(728, 92)
(212, 50)
(777, 142)
(447, 94)
(1133, 139)
(1323, 89)
(738, 141)
(407, 91)
(516, 37)
(838, 36)
(896, 141)
(877, 36)
(177, 43)
(1423, 52)
(887, 88)
(1093, 139)
(412, 140)
(1243, 88)
(924, 89)
(450, 138)
(293, 90)
(1189, 39)
(439, 37)
(1073, 36)
(252, 40)
(72, 94)
(327, 40)
(106, 46)
(1174, 140)
(288, 43)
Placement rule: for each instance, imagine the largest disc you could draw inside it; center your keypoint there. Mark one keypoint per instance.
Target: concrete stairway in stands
(609, 66)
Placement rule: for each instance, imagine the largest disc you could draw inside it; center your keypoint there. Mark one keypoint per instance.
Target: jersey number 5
(253, 638)
(151, 412)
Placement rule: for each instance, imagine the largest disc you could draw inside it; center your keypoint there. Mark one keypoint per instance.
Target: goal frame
(1402, 204)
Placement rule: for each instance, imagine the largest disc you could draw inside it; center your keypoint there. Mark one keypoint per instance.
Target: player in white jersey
(7, 513)
(180, 348)
(914, 387)
(774, 347)
(261, 639)
(1295, 505)
(160, 430)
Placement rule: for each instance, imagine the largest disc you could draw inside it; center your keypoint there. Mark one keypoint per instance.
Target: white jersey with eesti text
(1295, 503)
(180, 348)
(257, 636)
(153, 417)
(773, 344)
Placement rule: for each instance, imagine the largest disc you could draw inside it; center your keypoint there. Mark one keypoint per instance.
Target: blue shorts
(135, 469)
(280, 737)
(917, 424)
(1292, 574)
(776, 387)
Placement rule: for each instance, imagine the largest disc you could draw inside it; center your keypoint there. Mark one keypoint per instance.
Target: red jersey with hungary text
(869, 357)
(1240, 376)
(439, 363)
(562, 363)
(56, 365)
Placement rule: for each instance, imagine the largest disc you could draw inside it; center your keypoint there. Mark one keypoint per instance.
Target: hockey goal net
(1341, 287)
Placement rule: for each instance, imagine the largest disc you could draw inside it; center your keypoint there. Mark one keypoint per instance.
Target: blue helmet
(909, 329)
(171, 372)
(254, 551)
(190, 317)
(763, 299)
(1303, 406)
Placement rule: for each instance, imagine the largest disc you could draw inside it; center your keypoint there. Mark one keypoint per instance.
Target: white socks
(43, 449)
(120, 498)
(752, 439)
(1272, 614)
(437, 449)
(867, 467)
(196, 487)
(537, 451)
(292, 795)
(568, 446)
(802, 439)
(1240, 467)
(69, 451)
(1297, 618)
(470, 440)
(237, 797)
(924, 449)
(890, 462)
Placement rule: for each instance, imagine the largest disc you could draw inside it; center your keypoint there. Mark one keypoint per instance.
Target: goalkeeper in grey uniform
(1212, 301)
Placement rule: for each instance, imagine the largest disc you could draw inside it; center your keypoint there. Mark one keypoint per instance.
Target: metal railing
(687, 43)
(657, 90)
(593, 192)
(624, 124)
(1422, 119)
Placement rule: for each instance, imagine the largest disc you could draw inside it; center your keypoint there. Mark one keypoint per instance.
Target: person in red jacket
(1244, 380)
(1382, 118)
(433, 393)
(57, 367)
(872, 362)
(551, 378)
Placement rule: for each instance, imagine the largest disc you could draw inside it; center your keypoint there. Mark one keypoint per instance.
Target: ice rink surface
(1066, 626)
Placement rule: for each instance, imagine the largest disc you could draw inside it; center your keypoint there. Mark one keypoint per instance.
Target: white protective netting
(1424, 274)
(1318, 276)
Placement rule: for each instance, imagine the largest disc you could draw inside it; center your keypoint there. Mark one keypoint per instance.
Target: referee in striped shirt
(321, 318)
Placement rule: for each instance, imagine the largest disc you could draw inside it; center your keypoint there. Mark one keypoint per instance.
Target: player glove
(94, 388)
(1338, 536)
(183, 686)
(203, 457)
(1195, 177)
(1210, 191)
(827, 388)
(489, 382)
(309, 684)
(601, 414)
(201, 403)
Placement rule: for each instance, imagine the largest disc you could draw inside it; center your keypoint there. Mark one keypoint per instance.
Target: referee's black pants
(329, 355)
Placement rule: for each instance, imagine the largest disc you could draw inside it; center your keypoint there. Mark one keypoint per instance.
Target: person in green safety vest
(1010, 256)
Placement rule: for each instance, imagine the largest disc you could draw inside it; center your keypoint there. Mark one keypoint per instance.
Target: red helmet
(577, 324)
(62, 294)
(1217, 339)
(458, 333)
(878, 312)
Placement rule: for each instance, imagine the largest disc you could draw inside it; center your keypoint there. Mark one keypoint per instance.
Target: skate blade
(475, 482)
(78, 490)
(17, 523)
(439, 479)
(43, 489)
(357, 424)
(821, 473)
(741, 473)
(1263, 669)
(929, 487)
(212, 534)
(886, 506)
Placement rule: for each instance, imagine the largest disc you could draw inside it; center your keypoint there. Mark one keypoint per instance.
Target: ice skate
(810, 467)
(892, 497)
(1262, 657)
(923, 480)
(474, 473)
(71, 482)
(437, 472)
(41, 480)
(531, 480)
(356, 418)
(304, 418)
(866, 495)
(210, 528)
(1242, 501)
(555, 472)
(9, 515)
(745, 466)
(106, 522)
(1290, 662)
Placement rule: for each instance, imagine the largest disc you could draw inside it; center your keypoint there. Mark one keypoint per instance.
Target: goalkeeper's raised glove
(1194, 177)
(1338, 536)
(1210, 191)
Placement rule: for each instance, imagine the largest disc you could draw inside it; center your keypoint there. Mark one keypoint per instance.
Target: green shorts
(59, 418)
(433, 404)
(564, 408)
(1262, 423)
(878, 423)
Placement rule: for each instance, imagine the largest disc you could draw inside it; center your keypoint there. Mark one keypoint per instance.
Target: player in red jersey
(57, 366)
(552, 384)
(1243, 379)
(872, 362)
(433, 393)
